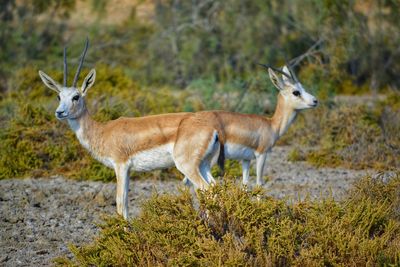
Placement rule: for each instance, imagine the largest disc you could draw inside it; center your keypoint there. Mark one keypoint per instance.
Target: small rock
(88, 195)
(42, 252)
(37, 198)
(102, 198)
(5, 258)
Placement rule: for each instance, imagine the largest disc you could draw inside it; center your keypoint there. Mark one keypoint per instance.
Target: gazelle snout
(60, 114)
(308, 99)
(312, 101)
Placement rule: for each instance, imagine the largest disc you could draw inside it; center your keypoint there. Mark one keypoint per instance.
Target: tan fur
(122, 138)
(250, 130)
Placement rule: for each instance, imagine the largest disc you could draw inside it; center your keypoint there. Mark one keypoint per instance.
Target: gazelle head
(72, 102)
(291, 89)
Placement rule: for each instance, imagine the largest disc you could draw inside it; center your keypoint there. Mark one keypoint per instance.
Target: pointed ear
(275, 79)
(284, 78)
(88, 82)
(49, 82)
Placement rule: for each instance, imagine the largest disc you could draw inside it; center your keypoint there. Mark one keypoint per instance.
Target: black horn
(294, 77)
(277, 70)
(81, 63)
(65, 67)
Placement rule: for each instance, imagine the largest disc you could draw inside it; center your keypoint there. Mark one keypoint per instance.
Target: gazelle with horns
(139, 144)
(244, 136)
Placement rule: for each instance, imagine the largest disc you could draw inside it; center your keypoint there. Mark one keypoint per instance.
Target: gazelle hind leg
(193, 154)
(260, 163)
(192, 174)
(246, 171)
(205, 173)
(205, 167)
(186, 181)
(205, 170)
(122, 172)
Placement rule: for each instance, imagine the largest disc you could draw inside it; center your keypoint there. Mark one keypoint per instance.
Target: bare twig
(310, 51)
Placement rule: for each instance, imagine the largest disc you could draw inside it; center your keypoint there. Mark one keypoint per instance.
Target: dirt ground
(40, 217)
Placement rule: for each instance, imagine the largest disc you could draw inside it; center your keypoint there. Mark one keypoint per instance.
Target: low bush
(232, 226)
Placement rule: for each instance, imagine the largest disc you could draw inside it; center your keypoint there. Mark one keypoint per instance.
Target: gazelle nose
(315, 101)
(59, 113)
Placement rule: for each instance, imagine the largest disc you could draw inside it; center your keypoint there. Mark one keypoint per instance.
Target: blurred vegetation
(356, 136)
(196, 55)
(349, 42)
(234, 227)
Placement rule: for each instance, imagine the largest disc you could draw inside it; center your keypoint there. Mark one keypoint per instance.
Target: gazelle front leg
(246, 171)
(260, 162)
(122, 172)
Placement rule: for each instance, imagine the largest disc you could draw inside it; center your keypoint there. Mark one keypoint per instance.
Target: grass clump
(231, 227)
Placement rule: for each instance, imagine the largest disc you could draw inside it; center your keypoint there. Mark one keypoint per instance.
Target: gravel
(40, 217)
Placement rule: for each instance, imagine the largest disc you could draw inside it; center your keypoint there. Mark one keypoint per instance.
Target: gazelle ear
(49, 82)
(275, 79)
(285, 78)
(88, 82)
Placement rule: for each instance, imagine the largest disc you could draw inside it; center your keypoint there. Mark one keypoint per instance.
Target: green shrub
(235, 227)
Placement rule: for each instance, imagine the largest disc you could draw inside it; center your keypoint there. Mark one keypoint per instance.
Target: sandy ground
(40, 217)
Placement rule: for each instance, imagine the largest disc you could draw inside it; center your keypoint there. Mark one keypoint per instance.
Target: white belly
(235, 151)
(156, 158)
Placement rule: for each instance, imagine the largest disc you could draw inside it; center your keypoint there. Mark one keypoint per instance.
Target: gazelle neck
(85, 128)
(283, 117)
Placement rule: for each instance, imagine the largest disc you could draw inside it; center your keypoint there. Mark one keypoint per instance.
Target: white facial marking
(71, 104)
(297, 97)
(293, 92)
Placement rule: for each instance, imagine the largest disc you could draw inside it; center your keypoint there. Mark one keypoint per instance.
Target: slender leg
(260, 162)
(186, 181)
(122, 172)
(246, 171)
(192, 174)
(210, 177)
(205, 171)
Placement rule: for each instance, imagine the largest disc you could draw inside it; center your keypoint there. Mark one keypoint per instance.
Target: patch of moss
(235, 227)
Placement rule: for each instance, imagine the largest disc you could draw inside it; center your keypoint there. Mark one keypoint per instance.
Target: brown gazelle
(245, 137)
(139, 144)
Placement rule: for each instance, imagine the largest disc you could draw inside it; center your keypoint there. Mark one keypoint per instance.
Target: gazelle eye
(75, 98)
(58, 97)
(296, 93)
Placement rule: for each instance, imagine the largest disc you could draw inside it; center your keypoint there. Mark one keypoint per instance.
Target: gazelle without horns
(191, 141)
